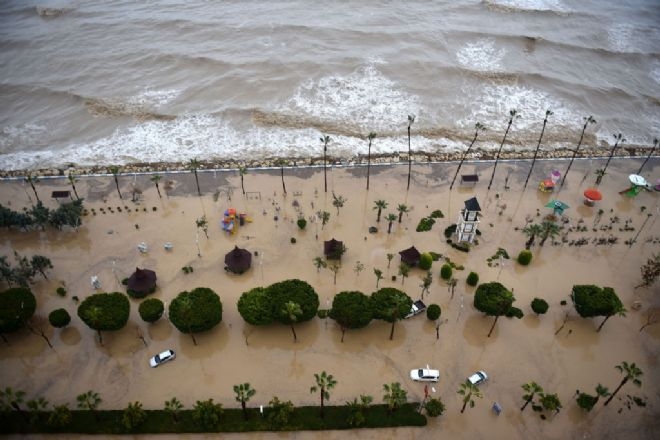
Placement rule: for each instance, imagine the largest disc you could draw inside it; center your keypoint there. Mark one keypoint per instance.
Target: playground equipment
(232, 221)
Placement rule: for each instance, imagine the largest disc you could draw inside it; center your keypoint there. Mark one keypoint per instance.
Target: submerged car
(425, 374)
(478, 378)
(416, 308)
(161, 358)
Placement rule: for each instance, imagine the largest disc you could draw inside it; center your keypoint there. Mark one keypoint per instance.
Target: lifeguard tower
(468, 220)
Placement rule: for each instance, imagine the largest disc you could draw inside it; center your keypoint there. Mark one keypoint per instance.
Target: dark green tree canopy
(493, 299)
(390, 304)
(433, 312)
(351, 309)
(255, 306)
(296, 291)
(105, 311)
(17, 305)
(196, 311)
(590, 301)
(59, 318)
(151, 309)
(539, 306)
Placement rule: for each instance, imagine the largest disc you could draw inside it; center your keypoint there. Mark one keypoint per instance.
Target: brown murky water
(518, 351)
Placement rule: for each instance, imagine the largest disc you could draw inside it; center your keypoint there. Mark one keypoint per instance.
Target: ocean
(119, 82)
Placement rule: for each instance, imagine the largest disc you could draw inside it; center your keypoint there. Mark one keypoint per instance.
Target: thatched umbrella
(238, 260)
(410, 256)
(333, 249)
(142, 282)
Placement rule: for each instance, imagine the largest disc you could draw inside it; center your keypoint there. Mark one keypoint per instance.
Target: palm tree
(618, 139)
(411, 119)
(334, 268)
(36, 407)
(89, 401)
(531, 388)
(477, 128)
(324, 216)
(548, 229)
(403, 209)
(655, 145)
(404, 270)
(389, 259)
(468, 391)
(371, 137)
(203, 224)
(319, 262)
(379, 276)
(532, 231)
(338, 201)
(72, 181)
(94, 316)
(325, 140)
(630, 371)
(394, 396)
(243, 394)
(155, 179)
(600, 173)
(115, 171)
(10, 399)
(242, 171)
(513, 113)
(588, 120)
(281, 163)
(390, 218)
(172, 407)
(32, 180)
(550, 402)
(324, 383)
(538, 146)
(379, 205)
(193, 166)
(291, 311)
(426, 283)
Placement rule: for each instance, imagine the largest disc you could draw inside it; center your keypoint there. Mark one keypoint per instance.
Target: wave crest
(51, 12)
(115, 108)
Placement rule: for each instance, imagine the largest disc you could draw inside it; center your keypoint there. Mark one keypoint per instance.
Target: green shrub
(446, 271)
(322, 313)
(539, 306)
(425, 224)
(450, 230)
(436, 256)
(586, 401)
(61, 291)
(301, 223)
(472, 279)
(525, 257)
(433, 312)
(59, 318)
(434, 407)
(151, 309)
(425, 261)
(514, 312)
(196, 311)
(293, 240)
(437, 214)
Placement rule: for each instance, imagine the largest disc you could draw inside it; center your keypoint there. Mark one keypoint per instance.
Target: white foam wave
(532, 5)
(493, 102)
(481, 55)
(12, 136)
(154, 98)
(620, 37)
(365, 98)
(655, 72)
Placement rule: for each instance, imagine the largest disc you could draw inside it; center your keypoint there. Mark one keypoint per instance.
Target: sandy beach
(519, 351)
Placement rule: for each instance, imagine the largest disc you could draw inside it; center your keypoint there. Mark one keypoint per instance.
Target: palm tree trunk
(242, 187)
(158, 189)
(400, 216)
(282, 174)
(409, 159)
(369, 163)
(192, 335)
(389, 228)
(499, 151)
(536, 152)
(343, 332)
(378, 217)
(244, 409)
(100, 337)
(493, 326)
(603, 323)
(545, 237)
(325, 172)
(117, 185)
(527, 402)
(574, 154)
(465, 402)
(530, 242)
(655, 144)
(295, 337)
(392, 330)
(199, 193)
(74, 191)
(623, 382)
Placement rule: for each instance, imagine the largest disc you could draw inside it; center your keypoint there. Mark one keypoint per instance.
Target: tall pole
(538, 147)
(514, 114)
(587, 121)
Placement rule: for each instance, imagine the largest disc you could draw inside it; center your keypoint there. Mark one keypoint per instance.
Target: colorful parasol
(593, 194)
(557, 206)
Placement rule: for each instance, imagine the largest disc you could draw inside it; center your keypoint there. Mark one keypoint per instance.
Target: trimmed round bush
(59, 318)
(301, 223)
(151, 309)
(433, 312)
(472, 279)
(539, 306)
(425, 261)
(525, 257)
(445, 271)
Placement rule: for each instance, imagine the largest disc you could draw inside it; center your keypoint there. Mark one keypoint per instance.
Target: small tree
(324, 216)
(291, 312)
(587, 401)
(591, 301)
(151, 309)
(433, 313)
(379, 205)
(89, 401)
(242, 171)
(173, 407)
(334, 268)
(133, 415)
(395, 396)
(203, 224)
(404, 271)
(630, 372)
(390, 305)
(426, 283)
(446, 271)
(472, 279)
(38, 325)
(493, 299)
(359, 267)
(192, 166)
(402, 209)
(531, 389)
(279, 412)
(41, 264)
(411, 119)
(371, 137)
(156, 179)
(72, 181)
(425, 261)
(115, 171)
(524, 257)
(32, 180)
(324, 383)
(338, 201)
(434, 407)
(17, 305)
(532, 230)
(550, 402)
(36, 407)
(477, 128)
(280, 163)
(379, 276)
(11, 400)
(325, 139)
(650, 271)
(105, 312)
(389, 259)
(548, 230)
(207, 414)
(244, 392)
(59, 318)
(390, 219)
(469, 392)
(539, 306)
(351, 310)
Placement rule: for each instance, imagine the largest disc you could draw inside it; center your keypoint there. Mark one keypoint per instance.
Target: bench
(469, 179)
(61, 194)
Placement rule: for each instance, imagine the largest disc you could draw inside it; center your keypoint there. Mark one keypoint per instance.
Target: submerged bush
(425, 261)
(445, 271)
(539, 306)
(472, 279)
(525, 257)
(59, 318)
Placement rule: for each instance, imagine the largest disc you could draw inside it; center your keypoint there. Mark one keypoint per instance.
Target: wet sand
(519, 351)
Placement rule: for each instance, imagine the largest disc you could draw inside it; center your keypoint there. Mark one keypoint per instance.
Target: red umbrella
(593, 194)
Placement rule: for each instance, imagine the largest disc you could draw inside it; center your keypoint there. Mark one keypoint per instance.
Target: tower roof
(472, 205)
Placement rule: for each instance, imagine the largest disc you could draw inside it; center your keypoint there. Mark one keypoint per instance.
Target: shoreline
(419, 157)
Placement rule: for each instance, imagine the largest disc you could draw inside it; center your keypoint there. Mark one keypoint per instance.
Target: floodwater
(519, 351)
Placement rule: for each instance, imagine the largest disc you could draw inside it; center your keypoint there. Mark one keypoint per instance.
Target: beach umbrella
(238, 260)
(142, 281)
(557, 206)
(591, 195)
(410, 256)
(333, 249)
(637, 180)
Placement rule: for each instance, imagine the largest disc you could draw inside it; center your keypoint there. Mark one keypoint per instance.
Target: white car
(425, 374)
(478, 378)
(161, 358)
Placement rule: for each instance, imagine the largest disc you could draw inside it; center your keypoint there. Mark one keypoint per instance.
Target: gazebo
(238, 260)
(410, 256)
(142, 282)
(333, 249)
